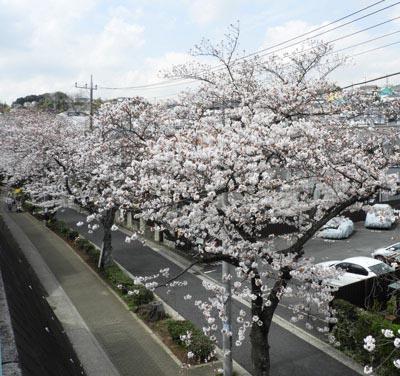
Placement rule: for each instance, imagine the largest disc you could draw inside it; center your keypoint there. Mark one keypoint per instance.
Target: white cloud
(49, 44)
(117, 41)
(205, 11)
(59, 48)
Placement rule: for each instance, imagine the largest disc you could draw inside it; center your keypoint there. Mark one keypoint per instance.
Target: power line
(319, 34)
(362, 30)
(90, 88)
(330, 91)
(352, 34)
(375, 49)
(144, 87)
(368, 81)
(364, 42)
(176, 80)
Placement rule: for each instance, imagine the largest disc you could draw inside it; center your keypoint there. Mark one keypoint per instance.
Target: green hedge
(118, 278)
(27, 206)
(354, 324)
(200, 344)
(61, 228)
(177, 328)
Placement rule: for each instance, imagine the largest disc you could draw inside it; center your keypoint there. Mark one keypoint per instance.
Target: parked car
(356, 269)
(337, 228)
(380, 216)
(388, 254)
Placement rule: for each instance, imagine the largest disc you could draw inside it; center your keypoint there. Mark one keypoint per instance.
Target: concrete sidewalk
(128, 344)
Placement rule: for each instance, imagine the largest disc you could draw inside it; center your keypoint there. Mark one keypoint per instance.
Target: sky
(48, 45)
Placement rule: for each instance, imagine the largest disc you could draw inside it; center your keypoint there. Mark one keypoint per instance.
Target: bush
(60, 227)
(93, 252)
(52, 224)
(27, 206)
(117, 277)
(81, 243)
(64, 231)
(57, 226)
(72, 234)
(177, 328)
(200, 344)
(354, 324)
(144, 296)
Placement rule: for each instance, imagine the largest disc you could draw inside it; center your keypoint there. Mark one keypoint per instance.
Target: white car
(380, 216)
(388, 254)
(356, 269)
(337, 228)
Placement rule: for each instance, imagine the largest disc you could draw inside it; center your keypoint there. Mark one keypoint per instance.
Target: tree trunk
(260, 350)
(107, 221)
(259, 334)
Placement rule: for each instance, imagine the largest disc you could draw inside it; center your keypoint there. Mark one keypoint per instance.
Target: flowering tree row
(260, 142)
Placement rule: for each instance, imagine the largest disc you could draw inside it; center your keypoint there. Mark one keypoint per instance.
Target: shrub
(81, 243)
(200, 344)
(354, 324)
(117, 277)
(93, 252)
(177, 328)
(27, 206)
(144, 296)
(64, 231)
(52, 224)
(72, 234)
(86, 246)
(60, 227)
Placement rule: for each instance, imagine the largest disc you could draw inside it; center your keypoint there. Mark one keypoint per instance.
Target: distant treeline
(57, 101)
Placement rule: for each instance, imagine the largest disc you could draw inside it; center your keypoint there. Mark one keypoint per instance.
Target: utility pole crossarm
(90, 88)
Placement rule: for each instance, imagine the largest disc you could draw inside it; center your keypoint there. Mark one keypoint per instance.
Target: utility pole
(226, 282)
(90, 88)
(227, 325)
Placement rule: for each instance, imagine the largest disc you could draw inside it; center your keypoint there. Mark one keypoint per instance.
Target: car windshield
(380, 268)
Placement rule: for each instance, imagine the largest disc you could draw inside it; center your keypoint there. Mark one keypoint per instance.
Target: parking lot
(361, 243)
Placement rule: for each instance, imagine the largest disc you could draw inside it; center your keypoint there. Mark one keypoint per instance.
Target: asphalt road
(290, 355)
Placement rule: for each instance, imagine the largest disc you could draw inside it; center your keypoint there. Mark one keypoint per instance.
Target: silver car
(388, 254)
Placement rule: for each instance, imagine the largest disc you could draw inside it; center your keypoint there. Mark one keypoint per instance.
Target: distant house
(369, 89)
(386, 92)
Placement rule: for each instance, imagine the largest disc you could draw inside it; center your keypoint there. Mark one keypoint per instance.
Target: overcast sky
(47, 45)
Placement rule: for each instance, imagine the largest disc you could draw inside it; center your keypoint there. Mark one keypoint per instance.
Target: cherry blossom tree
(35, 147)
(260, 142)
(61, 160)
(118, 138)
(264, 144)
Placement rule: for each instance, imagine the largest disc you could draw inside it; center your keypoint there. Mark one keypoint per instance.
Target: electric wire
(175, 80)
